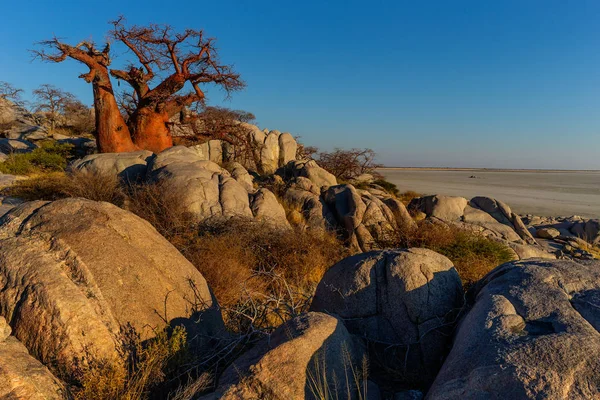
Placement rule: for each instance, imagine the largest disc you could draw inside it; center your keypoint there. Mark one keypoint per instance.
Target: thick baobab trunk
(151, 131)
(112, 133)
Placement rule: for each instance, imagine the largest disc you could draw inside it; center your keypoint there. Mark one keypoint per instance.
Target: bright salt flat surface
(554, 193)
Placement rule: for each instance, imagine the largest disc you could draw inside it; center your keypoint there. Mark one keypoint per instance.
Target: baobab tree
(176, 60)
(112, 133)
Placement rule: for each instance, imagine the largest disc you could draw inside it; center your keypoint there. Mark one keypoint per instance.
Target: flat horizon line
(490, 169)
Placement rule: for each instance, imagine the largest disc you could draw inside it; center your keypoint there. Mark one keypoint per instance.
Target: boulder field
(73, 271)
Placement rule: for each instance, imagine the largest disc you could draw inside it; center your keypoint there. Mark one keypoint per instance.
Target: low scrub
(58, 185)
(388, 186)
(147, 366)
(406, 197)
(473, 254)
(273, 272)
(50, 156)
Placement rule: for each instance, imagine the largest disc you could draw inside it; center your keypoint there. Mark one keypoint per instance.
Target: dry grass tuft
(58, 185)
(163, 206)
(146, 366)
(244, 260)
(406, 197)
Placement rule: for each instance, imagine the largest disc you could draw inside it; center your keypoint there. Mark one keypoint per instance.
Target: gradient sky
(505, 84)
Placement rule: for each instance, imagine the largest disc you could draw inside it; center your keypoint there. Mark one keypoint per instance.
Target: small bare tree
(9, 92)
(52, 102)
(348, 164)
(79, 118)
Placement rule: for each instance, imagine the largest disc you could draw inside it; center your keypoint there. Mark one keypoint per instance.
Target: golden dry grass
(58, 185)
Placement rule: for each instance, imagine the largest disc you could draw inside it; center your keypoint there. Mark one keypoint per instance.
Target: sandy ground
(546, 193)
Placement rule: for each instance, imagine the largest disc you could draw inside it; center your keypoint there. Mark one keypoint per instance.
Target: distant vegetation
(49, 157)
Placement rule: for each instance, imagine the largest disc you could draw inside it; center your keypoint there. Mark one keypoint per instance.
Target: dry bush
(58, 185)
(407, 196)
(146, 365)
(161, 204)
(348, 164)
(473, 254)
(252, 265)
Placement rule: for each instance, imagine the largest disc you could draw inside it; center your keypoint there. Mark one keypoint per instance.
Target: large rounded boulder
(532, 331)
(74, 271)
(402, 302)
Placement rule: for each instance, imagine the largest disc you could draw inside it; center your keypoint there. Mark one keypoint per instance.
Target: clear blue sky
(508, 83)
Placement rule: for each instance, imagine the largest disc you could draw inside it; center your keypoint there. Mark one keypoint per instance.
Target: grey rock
(287, 148)
(130, 167)
(531, 332)
(401, 302)
(74, 271)
(547, 233)
(269, 155)
(446, 208)
(290, 363)
(16, 146)
(266, 208)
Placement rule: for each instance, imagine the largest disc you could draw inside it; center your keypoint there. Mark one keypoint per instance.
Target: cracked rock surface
(531, 332)
(73, 271)
(401, 302)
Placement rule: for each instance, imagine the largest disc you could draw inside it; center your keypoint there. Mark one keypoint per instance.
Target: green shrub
(388, 186)
(473, 254)
(50, 156)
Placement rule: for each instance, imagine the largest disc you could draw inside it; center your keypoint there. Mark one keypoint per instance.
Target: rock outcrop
(532, 331)
(402, 302)
(300, 360)
(22, 377)
(73, 271)
(209, 191)
(131, 167)
(489, 217)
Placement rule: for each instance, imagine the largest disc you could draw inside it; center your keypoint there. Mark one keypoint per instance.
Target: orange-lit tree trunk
(151, 131)
(112, 133)
(191, 59)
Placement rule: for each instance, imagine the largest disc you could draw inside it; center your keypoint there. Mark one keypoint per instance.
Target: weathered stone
(22, 377)
(16, 146)
(403, 218)
(446, 208)
(266, 208)
(130, 167)
(73, 271)
(202, 150)
(269, 155)
(531, 332)
(233, 198)
(503, 214)
(547, 233)
(401, 302)
(215, 150)
(289, 365)
(240, 174)
(287, 148)
(176, 154)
